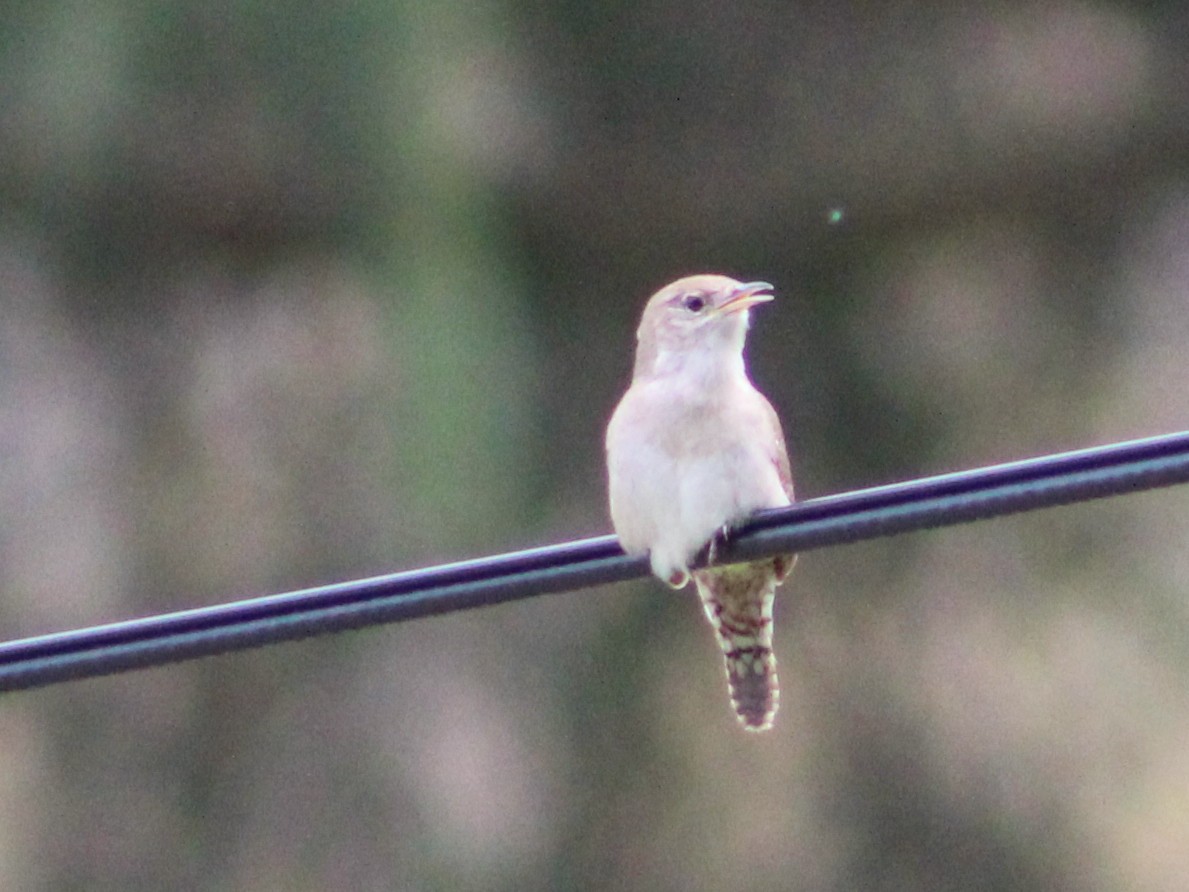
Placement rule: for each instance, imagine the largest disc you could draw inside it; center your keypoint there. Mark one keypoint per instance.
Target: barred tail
(738, 602)
(755, 689)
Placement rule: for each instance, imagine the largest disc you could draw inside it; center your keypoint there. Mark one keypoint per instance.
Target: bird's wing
(780, 453)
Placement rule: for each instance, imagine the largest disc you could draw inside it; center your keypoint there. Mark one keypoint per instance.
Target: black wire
(850, 517)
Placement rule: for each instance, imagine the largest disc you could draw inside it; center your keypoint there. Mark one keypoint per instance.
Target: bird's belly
(674, 508)
(670, 497)
(643, 491)
(725, 488)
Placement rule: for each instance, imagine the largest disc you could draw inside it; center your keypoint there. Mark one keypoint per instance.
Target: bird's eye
(695, 303)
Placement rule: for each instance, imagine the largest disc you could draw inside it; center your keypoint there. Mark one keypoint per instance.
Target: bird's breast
(681, 465)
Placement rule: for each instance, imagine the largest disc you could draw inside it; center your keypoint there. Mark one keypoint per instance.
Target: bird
(693, 449)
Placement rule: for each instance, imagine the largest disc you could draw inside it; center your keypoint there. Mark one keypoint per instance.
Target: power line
(817, 523)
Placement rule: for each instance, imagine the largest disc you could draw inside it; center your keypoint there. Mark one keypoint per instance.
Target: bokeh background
(298, 293)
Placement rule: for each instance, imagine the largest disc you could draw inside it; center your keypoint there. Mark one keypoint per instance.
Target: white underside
(680, 468)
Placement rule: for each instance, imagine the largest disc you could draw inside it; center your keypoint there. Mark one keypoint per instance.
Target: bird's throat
(701, 371)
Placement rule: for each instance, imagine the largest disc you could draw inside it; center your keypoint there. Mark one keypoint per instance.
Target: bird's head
(699, 317)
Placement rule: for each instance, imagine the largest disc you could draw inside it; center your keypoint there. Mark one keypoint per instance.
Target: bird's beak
(746, 295)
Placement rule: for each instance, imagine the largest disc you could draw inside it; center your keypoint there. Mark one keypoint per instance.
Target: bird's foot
(720, 537)
(670, 571)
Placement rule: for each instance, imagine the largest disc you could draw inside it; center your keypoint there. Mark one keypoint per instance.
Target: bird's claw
(720, 536)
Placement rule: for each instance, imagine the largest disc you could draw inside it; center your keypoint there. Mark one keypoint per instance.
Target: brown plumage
(738, 602)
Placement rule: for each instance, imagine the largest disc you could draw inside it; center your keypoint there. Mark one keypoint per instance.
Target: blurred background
(292, 295)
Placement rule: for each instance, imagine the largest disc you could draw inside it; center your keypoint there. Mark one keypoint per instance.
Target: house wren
(694, 448)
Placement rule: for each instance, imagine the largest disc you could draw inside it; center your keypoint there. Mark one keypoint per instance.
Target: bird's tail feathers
(738, 602)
